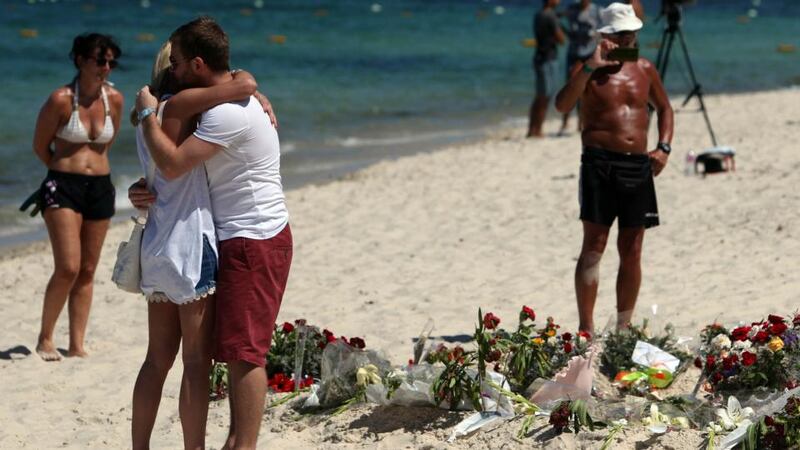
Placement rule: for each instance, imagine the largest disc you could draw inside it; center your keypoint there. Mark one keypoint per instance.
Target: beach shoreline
(436, 235)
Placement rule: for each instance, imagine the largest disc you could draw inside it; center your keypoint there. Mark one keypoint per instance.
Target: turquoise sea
(354, 81)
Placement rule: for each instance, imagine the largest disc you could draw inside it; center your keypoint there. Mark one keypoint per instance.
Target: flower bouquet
(760, 355)
(623, 347)
(529, 353)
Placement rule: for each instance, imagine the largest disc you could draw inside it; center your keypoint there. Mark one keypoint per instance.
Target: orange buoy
(29, 33)
(277, 39)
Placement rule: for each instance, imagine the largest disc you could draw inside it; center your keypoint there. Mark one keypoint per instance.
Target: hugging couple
(217, 247)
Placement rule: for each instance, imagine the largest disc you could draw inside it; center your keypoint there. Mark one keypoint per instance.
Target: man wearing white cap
(617, 169)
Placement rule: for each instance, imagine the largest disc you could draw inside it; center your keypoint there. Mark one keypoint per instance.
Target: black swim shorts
(617, 185)
(90, 195)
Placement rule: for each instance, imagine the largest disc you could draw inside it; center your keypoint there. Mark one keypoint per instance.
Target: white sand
(492, 225)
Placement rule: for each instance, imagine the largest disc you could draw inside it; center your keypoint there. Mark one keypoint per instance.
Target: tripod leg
(697, 90)
(670, 39)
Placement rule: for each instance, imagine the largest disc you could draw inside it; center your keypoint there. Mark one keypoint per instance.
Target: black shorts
(92, 196)
(614, 184)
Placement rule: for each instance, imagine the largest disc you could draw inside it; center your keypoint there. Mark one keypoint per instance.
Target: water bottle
(691, 158)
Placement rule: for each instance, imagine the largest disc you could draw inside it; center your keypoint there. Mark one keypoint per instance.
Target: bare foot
(79, 353)
(47, 351)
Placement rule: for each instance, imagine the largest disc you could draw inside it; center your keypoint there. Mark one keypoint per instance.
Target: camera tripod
(672, 10)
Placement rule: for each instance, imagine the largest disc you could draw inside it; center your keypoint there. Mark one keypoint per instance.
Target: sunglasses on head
(112, 63)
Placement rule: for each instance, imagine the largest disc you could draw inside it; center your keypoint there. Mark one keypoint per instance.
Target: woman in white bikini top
(74, 130)
(75, 133)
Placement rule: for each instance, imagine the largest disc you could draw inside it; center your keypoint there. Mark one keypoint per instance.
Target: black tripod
(672, 10)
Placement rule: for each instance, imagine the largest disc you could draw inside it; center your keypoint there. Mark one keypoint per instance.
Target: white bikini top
(76, 133)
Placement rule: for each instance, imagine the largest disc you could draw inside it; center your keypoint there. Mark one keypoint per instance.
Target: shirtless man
(617, 169)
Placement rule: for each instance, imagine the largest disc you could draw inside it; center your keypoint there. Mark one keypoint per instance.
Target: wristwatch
(144, 113)
(664, 147)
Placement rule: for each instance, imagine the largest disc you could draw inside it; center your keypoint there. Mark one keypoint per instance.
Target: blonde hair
(161, 67)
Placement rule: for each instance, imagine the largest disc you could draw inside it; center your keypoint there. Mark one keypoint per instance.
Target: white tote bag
(128, 270)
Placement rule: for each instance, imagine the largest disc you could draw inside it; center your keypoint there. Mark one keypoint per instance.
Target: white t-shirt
(244, 176)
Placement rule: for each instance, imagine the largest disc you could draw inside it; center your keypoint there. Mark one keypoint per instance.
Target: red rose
(527, 313)
(493, 356)
(357, 342)
(748, 359)
(492, 341)
(729, 362)
(716, 378)
(769, 421)
(761, 337)
(777, 329)
(490, 321)
(287, 327)
(566, 337)
(775, 319)
(698, 363)
(585, 334)
(410, 362)
(740, 334)
(710, 360)
(567, 347)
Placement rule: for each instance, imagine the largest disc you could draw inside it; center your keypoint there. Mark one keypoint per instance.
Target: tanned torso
(614, 107)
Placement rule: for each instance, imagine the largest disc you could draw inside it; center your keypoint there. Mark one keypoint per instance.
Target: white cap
(619, 17)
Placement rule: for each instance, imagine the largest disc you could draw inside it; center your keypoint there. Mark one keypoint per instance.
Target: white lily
(657, 422)
(734, 415)
(714, 428)
(367, 375)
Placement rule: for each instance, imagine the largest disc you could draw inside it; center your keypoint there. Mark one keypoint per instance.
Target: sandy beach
(492, 224)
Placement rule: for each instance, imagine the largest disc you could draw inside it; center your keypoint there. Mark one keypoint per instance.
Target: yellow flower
(775, 344)
(367, 375)
(538, 341)
(551, 332)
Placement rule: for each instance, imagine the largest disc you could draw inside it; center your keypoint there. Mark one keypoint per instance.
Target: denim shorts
(208, 271)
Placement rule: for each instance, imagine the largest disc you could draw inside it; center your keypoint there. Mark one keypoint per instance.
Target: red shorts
(251, 280)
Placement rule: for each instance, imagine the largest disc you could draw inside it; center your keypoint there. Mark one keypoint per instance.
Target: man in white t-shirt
(241, 152)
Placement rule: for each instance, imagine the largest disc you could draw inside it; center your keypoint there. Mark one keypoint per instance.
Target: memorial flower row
(539, 370)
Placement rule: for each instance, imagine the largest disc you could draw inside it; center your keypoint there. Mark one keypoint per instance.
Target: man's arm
(638, 8)
(572, 91)
(193, 101)
(660, 101)
(173, 161)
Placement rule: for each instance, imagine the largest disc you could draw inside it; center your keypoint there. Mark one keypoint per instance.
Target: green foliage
(619, 345)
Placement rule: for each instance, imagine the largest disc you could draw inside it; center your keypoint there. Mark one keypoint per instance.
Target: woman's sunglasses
(112, 63)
